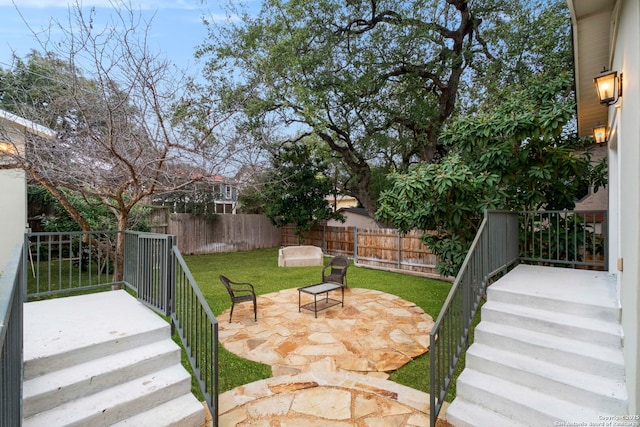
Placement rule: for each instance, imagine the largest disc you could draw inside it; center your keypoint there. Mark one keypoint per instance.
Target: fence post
(324, 238)
(399, 250)
(355, 245)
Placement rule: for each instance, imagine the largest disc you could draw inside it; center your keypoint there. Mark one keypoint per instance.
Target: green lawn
(260, 267)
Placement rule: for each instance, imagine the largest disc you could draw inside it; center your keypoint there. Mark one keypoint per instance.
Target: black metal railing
(149, 268)
(553, 238)
(11, 326)
(67, 262)
(493, 250)
(59, 263)
(198, 330)
(564, 238)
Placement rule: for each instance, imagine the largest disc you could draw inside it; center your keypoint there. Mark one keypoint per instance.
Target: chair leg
(231, 314)
(255, 311)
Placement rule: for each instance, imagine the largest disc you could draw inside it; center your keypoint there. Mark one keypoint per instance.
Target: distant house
(342, 201)
(14, 131)
(354, 217)
(214, 194)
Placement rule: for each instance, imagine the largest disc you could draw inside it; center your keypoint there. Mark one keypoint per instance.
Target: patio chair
(240, 292)
(336, 271)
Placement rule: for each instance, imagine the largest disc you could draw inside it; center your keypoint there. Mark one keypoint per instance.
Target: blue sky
(176, 28)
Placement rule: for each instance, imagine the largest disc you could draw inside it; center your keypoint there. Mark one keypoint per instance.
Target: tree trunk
(118, 272)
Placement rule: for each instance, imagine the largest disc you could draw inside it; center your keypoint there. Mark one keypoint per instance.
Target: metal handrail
(153, 268)
(198, 330)
(11, 327)
(554, 238)
(494, 249)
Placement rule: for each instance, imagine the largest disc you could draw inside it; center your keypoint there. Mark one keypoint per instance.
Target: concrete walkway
(329, 371)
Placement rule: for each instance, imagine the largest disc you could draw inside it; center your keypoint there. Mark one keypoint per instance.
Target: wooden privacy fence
(384, 248)
(225, 233)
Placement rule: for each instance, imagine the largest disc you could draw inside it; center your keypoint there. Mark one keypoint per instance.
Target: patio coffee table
(318, 289)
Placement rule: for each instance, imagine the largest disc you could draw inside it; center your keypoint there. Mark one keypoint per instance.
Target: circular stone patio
(374, 333)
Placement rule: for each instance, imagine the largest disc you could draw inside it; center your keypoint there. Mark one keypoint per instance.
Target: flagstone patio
(375, 333)
(329, 371)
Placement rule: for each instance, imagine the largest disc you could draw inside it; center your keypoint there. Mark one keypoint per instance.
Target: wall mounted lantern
(600, 134)
(609, 87)
(7, 148)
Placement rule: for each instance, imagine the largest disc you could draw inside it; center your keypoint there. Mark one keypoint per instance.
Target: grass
(260, 267)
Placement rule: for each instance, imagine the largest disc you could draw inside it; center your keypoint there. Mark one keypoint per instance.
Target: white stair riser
(515, 410)
(464, 414)
(550, 327)
(117, 403)
(180, 412)
(560, 356)
(42, 366)
(599, 401)
(57, 396)
(130, 409)
(607, 314)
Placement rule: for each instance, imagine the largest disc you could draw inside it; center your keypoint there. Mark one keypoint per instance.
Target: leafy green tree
(377, 80)
(516, 156)
(56, 218)
(374, 80)
(296, 189)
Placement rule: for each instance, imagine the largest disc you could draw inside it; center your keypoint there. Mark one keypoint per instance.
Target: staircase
(546, 352)
(103, 359)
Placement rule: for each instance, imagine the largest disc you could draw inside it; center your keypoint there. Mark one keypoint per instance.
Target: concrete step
(465, 414)
(577, 292)
(57, 388)
(117, 403)
(595, 391)
(184, 411)
(554, 323)
(563, 351)
(57, 335)
(519, 403)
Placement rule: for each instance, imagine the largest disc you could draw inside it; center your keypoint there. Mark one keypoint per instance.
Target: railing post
(171, 274)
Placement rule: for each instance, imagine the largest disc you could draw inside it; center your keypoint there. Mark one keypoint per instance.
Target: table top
(320, 288)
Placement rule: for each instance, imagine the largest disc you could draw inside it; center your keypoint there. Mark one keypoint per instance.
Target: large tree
(128, 124)
(376, 80)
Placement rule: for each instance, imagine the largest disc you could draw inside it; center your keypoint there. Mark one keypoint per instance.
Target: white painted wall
(13, 202)
(13, 185)
(626, 157)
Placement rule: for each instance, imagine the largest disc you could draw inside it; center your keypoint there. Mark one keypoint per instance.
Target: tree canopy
(377, 80)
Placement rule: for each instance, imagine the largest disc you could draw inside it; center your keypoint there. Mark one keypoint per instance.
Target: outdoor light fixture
(6, 147)
(600, 134)
(609, 87)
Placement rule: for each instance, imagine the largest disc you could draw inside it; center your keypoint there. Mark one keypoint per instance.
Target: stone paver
(329, 371)
(324, 398)
(374, 333)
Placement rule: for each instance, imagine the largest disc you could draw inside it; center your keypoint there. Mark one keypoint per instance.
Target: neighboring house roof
(354, 217)
(26, 125)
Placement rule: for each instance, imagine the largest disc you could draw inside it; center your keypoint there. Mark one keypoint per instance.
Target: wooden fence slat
(376, 248)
